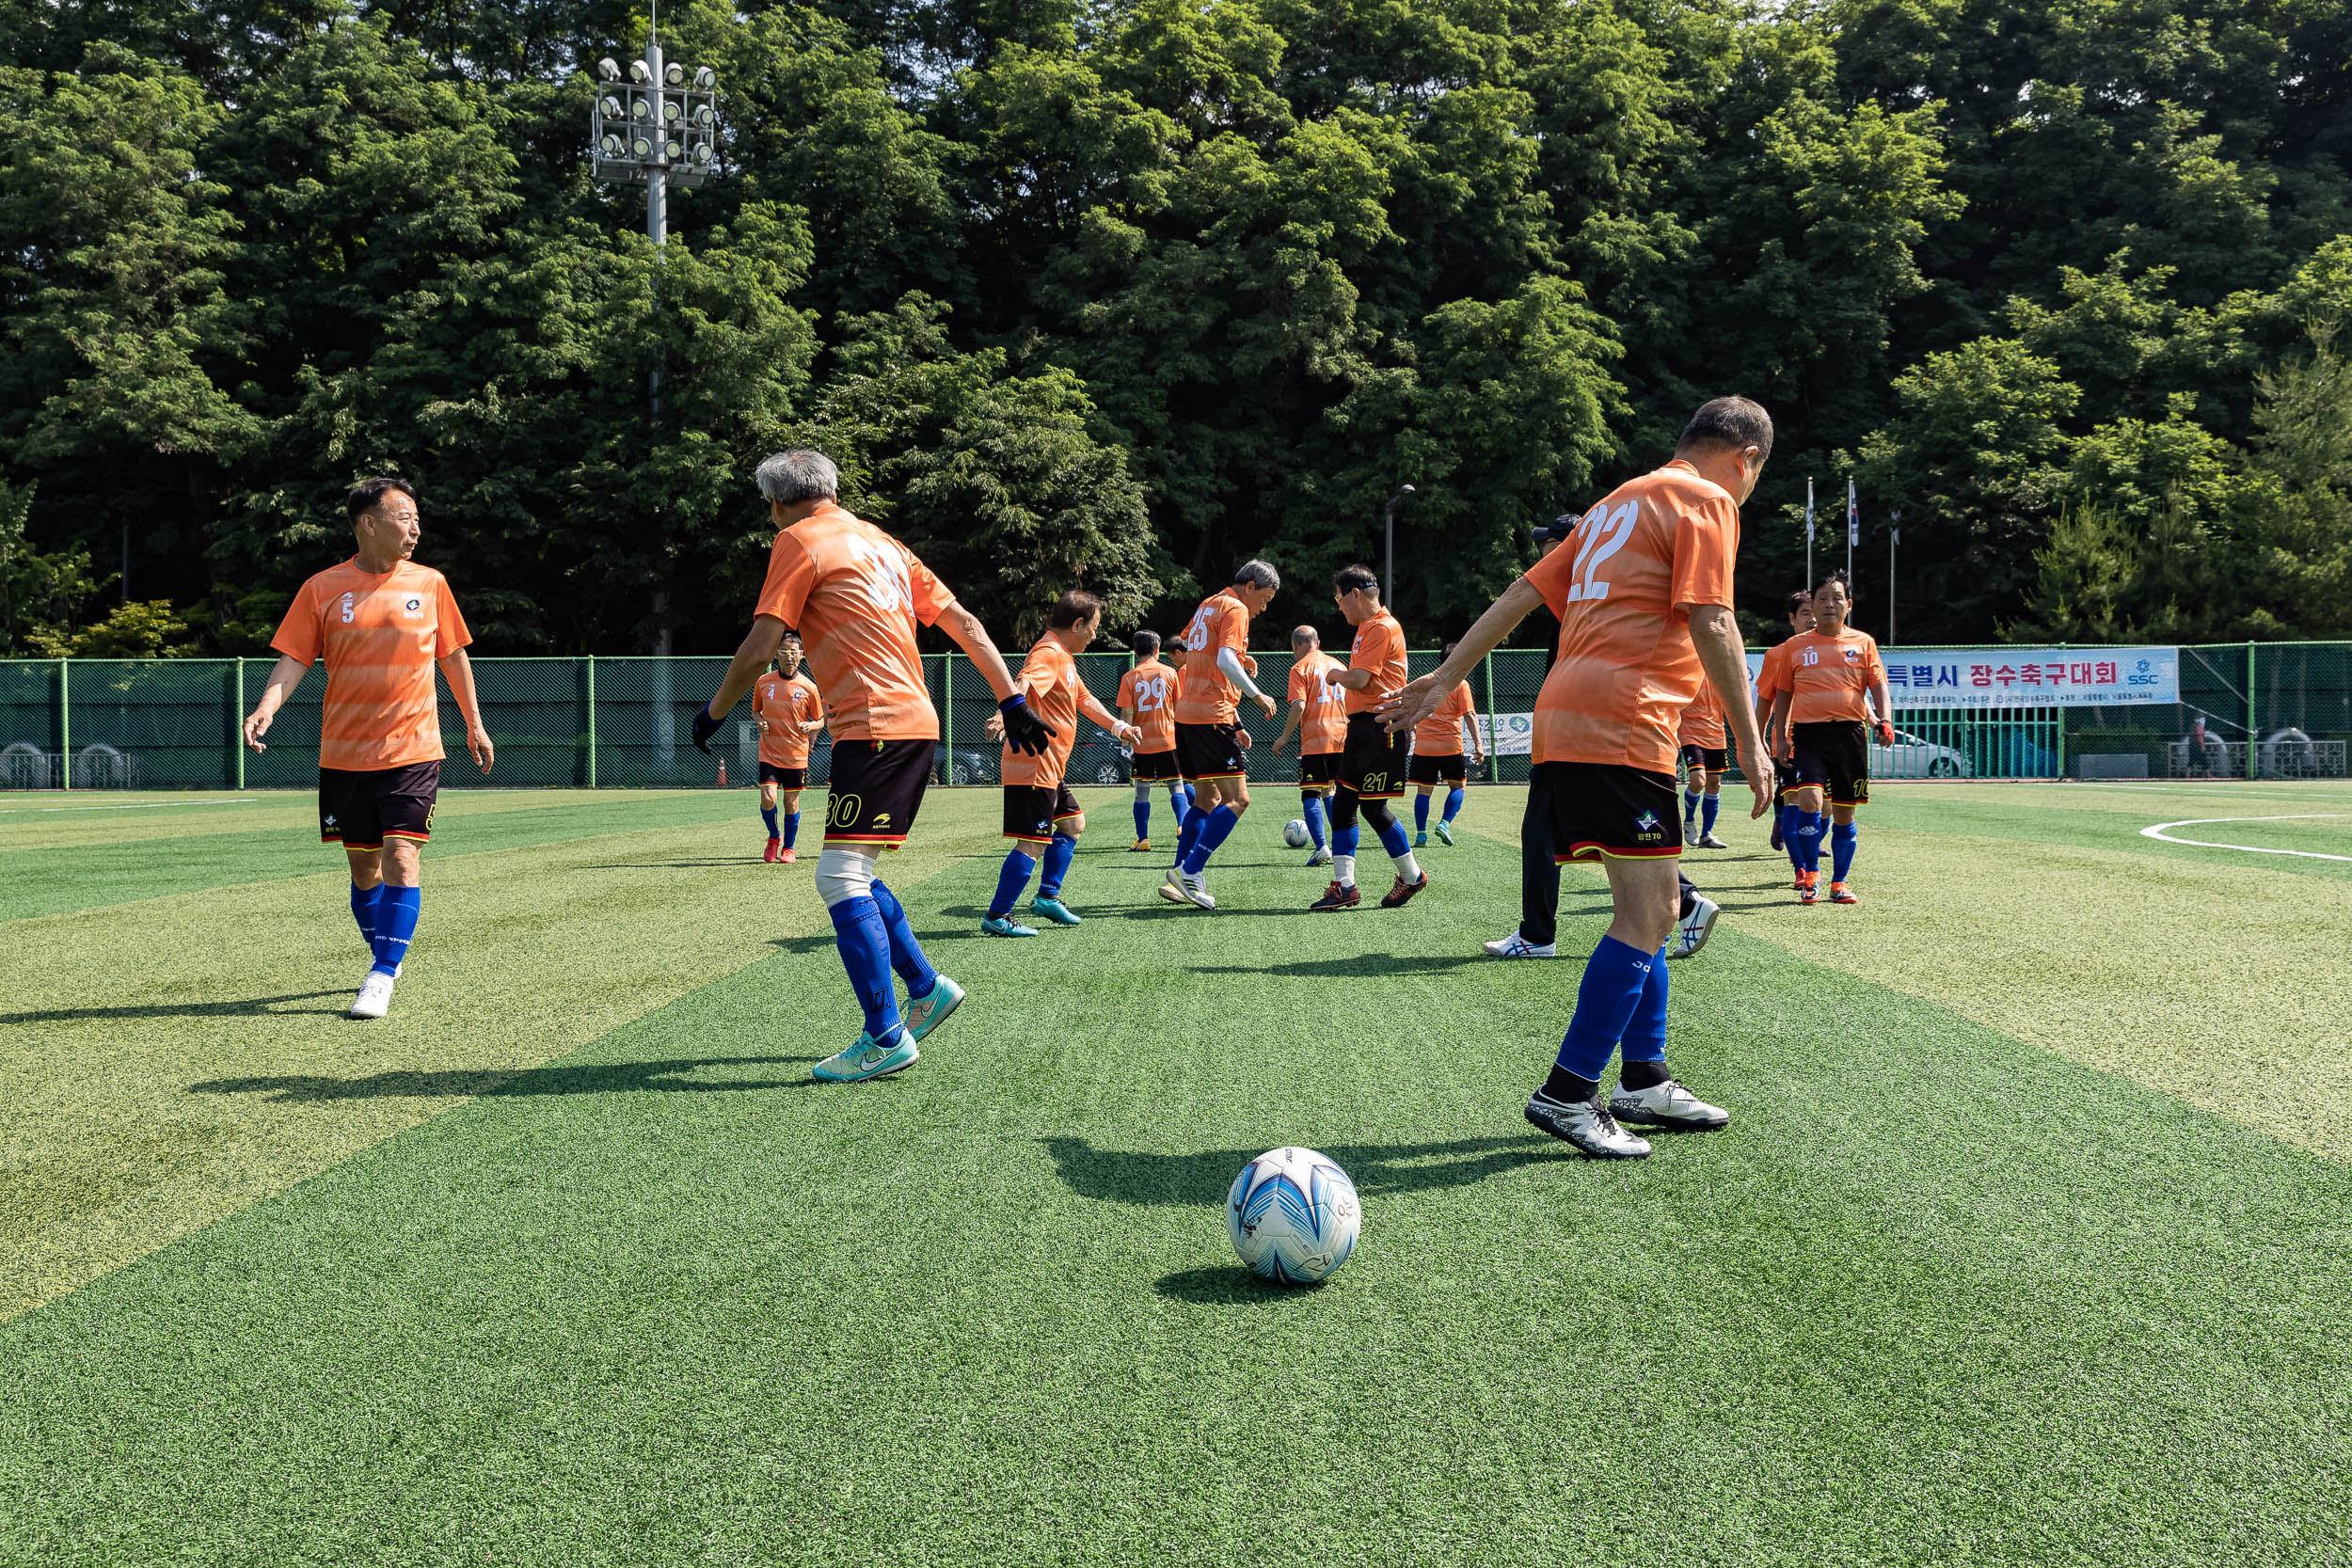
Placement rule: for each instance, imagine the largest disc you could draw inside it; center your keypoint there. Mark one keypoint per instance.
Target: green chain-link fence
(2245, 711)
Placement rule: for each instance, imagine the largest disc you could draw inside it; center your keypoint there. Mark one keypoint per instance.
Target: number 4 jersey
(1622, 585)
(854, 593)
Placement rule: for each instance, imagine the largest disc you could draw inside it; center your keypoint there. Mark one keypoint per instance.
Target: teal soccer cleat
(1054, 910)
(868, 1058)
(1445, 833)
(1421, 841)
(1002, 926)
(926, 1013)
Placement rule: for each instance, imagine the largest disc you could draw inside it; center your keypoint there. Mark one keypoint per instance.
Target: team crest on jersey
(413, 608)
(1853, 656)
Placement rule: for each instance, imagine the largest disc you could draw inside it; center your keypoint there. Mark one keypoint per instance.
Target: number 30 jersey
(855, 594)
(1623, 585)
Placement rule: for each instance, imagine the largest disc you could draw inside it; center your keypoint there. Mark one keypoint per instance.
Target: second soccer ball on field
(1295, 834)
(1293, 1216)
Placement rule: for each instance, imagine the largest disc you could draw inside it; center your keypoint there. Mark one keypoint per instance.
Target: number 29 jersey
(854, 593)
(1622, 585)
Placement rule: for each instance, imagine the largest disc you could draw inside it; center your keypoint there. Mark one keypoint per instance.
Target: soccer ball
(1293, 1216)
(1295, 834)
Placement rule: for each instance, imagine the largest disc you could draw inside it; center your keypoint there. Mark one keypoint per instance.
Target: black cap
(1555, 530)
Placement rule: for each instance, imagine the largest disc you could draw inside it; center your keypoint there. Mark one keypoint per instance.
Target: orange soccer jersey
(1049, 679)
(1703, 720)
(783, 706)
(1770, 677)
(1441, 733)
(1207, 697)
(1323, 727)
(1626, 669)
(379, 636)
(1829, 675)
(1379, 647)
(1149, 691)
(855, 594)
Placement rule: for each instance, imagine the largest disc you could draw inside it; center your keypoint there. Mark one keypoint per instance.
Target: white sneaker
(1690, 833)
(1666, 1104)
(1518, 946)
(1709, 841)
(1196, 891)
(1696, 927)
(1586, 1124)
(375, 995)
(1321, 857)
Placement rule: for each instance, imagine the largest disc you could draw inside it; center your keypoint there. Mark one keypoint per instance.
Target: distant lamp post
(1388, 535)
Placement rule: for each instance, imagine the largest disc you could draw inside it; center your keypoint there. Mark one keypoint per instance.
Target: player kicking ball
(1437, 759)
(1819, 690)
(1372, 760)
(1209, 737)
(788, 709)
(1644, 607)
(1318, 712)
(857, 597)
(1041, 817)
(380, 623)
(1147, 700)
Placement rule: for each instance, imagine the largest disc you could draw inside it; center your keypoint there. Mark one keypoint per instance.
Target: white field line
(143, 805)
(2224, 793)
(2159, 832)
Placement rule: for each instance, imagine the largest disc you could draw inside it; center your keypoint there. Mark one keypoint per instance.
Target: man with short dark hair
(1318, 712)
(1644, 602)
(788, 709)
(1437, 759)
(1824, 690)
(1785, 836)
(1209, 739)
(1147, 700)
(1373, 758)
(380, 623)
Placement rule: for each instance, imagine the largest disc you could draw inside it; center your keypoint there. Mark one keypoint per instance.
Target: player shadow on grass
(602, 1078)
(244, 1007)
(1360, 966)
(1119, 1176)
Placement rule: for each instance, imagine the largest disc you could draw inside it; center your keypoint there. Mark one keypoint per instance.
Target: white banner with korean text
(2031, 677)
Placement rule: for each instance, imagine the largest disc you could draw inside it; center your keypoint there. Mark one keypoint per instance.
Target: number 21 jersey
(854, 594)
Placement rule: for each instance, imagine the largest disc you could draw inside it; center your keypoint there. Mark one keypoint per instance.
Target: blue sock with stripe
(863, 941)
(363, 910)
(1452, 803)
(1708, 806)
(768, 815)
(791, 829)
(1645, 1031)
(1214, 827)
(1059, 854)
(1616, 977)
(1011, 879)
(906, 954)
(1816, 829)
(396, 910)
(1842, 841)
(1311, 808)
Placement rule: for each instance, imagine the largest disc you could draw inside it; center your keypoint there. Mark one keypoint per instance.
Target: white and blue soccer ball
(1294, 1216)
(1295, 834)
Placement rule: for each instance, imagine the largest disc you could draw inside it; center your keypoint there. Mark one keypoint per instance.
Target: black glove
(1024, 731)
(705, 727)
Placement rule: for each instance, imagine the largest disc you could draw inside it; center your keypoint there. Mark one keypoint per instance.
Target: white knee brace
(843, 875)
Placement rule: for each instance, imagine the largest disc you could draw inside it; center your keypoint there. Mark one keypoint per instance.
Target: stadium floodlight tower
(657, 128)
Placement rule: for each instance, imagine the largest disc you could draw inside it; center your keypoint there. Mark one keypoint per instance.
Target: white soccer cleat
(1172, 886)
(1588, 1125)
(1666, 1104)
(1695, 928)
(375, 996)
(1196, 891)
(1709, 841)
(1321, 857)
(1518, 946)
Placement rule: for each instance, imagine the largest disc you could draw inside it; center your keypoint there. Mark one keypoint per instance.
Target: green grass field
(2030, 1241)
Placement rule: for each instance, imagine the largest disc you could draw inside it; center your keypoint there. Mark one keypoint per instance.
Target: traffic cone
(722, 772)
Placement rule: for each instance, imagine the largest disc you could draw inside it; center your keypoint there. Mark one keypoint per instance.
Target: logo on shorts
(330, 820)
(1648, 822)
(882, 819)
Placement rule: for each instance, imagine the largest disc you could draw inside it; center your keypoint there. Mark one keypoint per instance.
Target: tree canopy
(1120, 294)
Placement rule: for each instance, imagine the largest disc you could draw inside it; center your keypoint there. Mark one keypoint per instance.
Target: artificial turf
(1943, 1291)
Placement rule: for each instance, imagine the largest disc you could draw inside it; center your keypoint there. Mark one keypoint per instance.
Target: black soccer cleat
(1401, 893)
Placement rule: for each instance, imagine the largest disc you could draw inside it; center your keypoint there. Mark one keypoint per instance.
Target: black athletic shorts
(1155, 767)
(1784, 776)
(1372, 761)
(1835, 754)
(1317, 768)
(1705, 759)
(1210, 751)
(782, 777)
(359, 809)
(1033, 810)
(1432, 769)
(1602, 808)
(875, 790)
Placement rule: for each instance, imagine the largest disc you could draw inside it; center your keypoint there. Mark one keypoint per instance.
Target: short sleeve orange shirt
(1049, 679)
(785, 706)
(1703, 720)
(1208, 698)
(1322, 726)
(1770, 678)
(1149, 691)
(855, 594)
(1441, 733)
(1379, 647)
(1623, 588)
(1830, 675)
(379, 635)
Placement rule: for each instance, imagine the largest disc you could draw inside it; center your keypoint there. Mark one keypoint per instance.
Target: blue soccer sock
(1708, 806)
(1143, 818)
(1816, 825)
(768, 815)
(1421, 811)
(363, 910)
(858, 931)
(1188, 830)
(1793, 845)
(1615, 978)
(1842, 840)
(906, 954)
(1393, 839)
(791, 828)
(1180, 799)
(1059, 854)
(396, 925)
(1311, 808)
(1645, 1031)
(1452, 803)
(1214, 827)
(1690, 807)
(1011, 880)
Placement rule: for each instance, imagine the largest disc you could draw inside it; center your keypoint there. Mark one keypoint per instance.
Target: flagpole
(1808, 533)
(1853, 530)
(1894, 542)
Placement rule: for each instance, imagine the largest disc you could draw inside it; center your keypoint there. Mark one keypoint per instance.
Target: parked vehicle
(1912, 757)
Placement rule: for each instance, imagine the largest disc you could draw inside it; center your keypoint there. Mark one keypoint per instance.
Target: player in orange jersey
(1823, 690)
(788, 709)
(1041, 813)
(1147, 700)
(1209, 740)
(1784, 765)
(1644, 605)
(1372, 759)
(1706, 758)
(380, 623)
(1318, 712)
(857, 595)
(1438, 756)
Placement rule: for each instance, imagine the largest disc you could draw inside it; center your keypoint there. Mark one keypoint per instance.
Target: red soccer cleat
(787, 857)
(1401, 893)
(1841, 893)
(1338, 898)
(1809, 887)
(775, 847)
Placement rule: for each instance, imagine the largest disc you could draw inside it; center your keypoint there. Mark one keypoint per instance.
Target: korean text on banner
(2031, 677)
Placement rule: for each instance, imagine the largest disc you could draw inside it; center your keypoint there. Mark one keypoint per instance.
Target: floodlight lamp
(706, 78)
(639, 111)
(606, 69)
(642, 147)
(640, 71)
(674, 73)
(703, 116)
(613, 146)
(702, 154)
(672, 111)
(610, 106)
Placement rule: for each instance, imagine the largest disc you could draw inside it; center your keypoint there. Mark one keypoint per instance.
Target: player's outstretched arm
(1417, 700)
(458, 670)
(756, 652)
(1297, 716)
(283, 680)
(1103, 719)
(1023, 730)
(1715, 637)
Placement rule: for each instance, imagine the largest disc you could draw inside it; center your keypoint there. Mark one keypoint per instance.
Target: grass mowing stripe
(176, 817)
(1935, 1294)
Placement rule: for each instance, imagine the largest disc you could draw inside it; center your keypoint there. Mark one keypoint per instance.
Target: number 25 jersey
(854, 594)
(1622, 585)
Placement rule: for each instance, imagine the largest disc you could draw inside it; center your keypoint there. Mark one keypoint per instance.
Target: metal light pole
(1808, 533)
(1388, 536)
(1894, 541)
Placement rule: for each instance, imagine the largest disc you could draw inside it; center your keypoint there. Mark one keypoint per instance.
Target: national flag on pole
(1808, 511)
(1854, 518)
